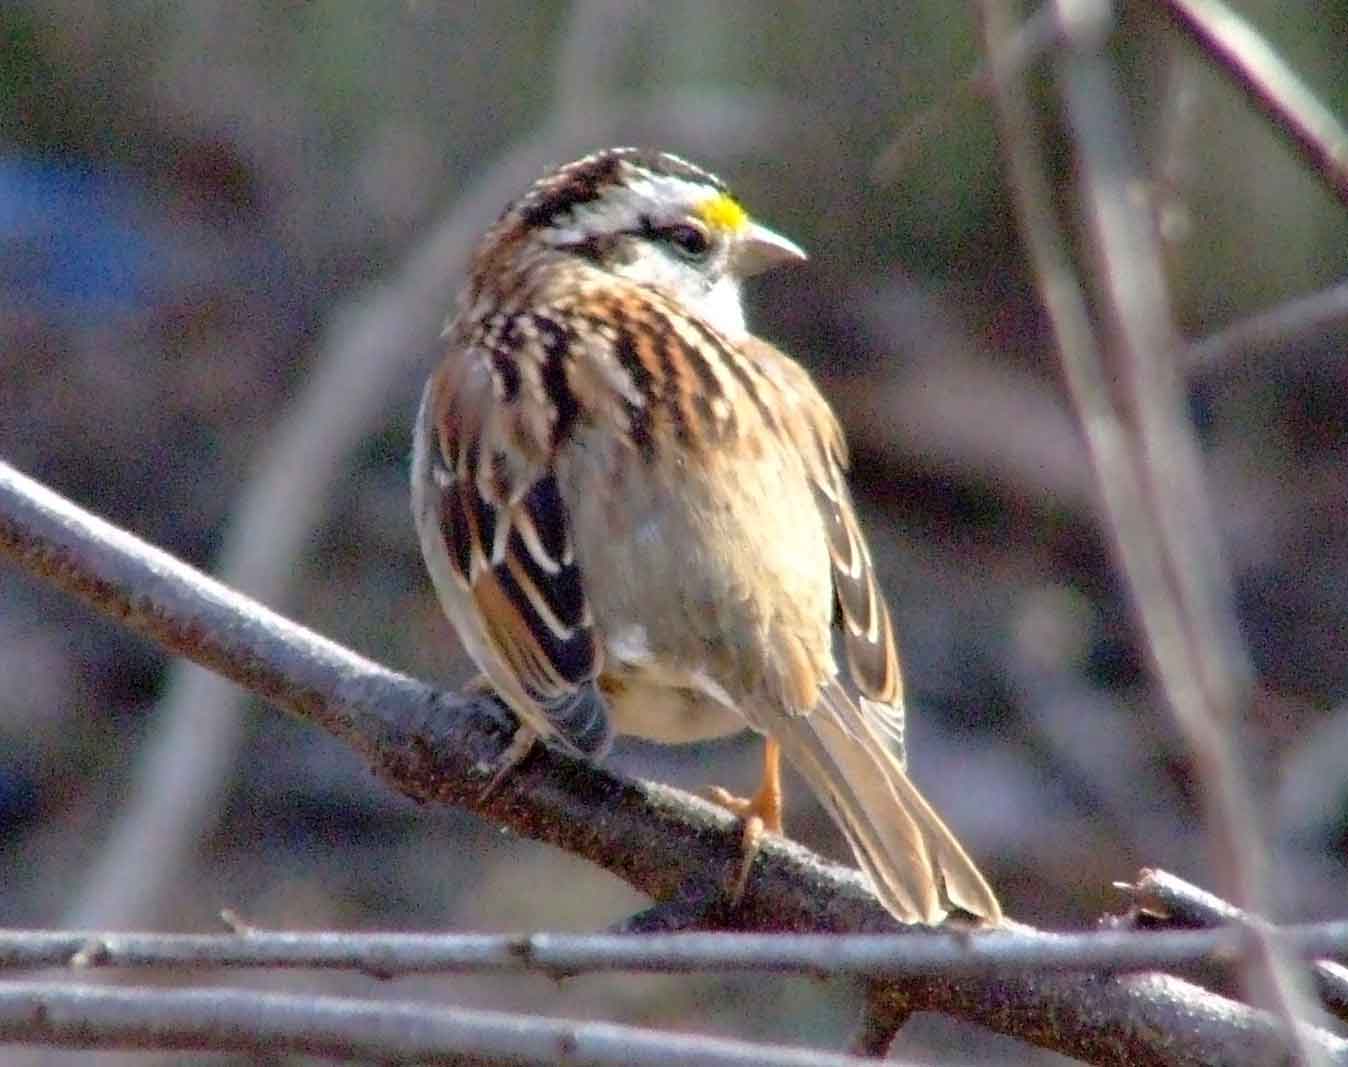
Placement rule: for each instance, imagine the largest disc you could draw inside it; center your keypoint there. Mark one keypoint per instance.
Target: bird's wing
(488, 425)
(861, 612)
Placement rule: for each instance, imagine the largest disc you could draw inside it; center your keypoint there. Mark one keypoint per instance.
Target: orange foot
(762, 813)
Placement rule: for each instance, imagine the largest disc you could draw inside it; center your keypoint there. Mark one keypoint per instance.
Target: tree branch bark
(1166, 900)
(1148, 471)
(438, 747)
(914, 955)
(345, 1028)
(1271, 85)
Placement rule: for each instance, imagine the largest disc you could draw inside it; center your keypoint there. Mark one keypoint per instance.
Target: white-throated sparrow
(635, 515)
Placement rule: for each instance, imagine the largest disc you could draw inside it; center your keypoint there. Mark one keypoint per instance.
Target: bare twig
(96, 1017)
(817, 955)
(1164, 897)
(1274, 331)
(590, 54)
(1331, 983)
(1172, 164)
(1273, 86)
(1167, 542)
(1142, 451)
(438, 747)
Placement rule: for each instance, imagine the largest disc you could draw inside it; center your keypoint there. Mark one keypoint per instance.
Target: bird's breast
(709, 573)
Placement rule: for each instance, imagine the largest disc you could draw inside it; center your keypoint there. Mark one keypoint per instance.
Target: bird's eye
(691, 242)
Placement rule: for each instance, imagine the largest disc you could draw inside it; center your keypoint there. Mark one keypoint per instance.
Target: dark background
(202, 203)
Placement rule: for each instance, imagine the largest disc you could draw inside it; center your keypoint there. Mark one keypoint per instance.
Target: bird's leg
(515, 753)
(762, 813)
(765, 805)
(521, 743)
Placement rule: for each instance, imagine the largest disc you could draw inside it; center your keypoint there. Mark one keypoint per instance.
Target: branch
(1274, 331)
(1270, 83)
(346, 1028)
(915, 955)
(1163, 897)
(433, 746)
(1148, 465)
(1142, 449)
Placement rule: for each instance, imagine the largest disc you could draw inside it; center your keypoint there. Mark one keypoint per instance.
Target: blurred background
(229, 230)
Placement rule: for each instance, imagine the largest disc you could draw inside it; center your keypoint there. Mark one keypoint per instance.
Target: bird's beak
(759, 249)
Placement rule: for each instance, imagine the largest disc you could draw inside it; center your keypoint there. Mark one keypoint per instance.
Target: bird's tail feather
(914, 862)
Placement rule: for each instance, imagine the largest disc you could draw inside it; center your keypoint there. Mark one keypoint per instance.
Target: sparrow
(635, 513)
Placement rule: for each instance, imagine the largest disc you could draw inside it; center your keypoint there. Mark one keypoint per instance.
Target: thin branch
(1153, 486)
(1331, 983)
(1275, 331)
(1161, 896)
(591, 51)
(97, 1017)
(1244, 54)
(433, 746)
(1144, 455)
(916, 955)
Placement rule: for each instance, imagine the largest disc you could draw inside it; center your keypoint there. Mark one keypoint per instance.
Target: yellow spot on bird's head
(723, 212)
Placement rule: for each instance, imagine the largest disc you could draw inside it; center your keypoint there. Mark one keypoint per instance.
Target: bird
(634, 512)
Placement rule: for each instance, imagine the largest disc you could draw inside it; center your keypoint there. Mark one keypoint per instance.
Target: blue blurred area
(73, 239)
(18, 798)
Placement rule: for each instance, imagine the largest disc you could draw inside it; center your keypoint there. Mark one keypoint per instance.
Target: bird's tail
(914, 862)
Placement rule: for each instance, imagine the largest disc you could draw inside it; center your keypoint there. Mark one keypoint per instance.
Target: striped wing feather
(505, 531)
